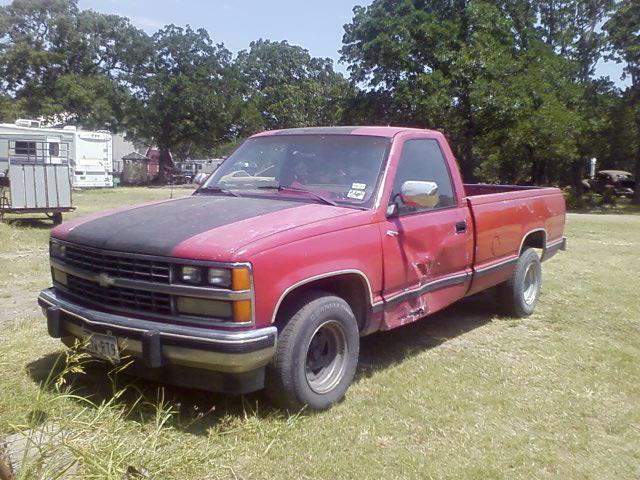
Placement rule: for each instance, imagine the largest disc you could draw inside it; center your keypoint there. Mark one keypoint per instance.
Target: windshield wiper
(219, 190)
(282, 188)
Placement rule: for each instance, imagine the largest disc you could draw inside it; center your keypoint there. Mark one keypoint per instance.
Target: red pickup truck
(302, 241)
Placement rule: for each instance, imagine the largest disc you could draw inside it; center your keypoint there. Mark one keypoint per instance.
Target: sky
(317, 25)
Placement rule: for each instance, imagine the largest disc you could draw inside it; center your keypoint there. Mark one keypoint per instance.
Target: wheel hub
(326, 357)
(531, 284)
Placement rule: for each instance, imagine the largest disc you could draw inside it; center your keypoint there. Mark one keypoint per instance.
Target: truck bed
(504, 216)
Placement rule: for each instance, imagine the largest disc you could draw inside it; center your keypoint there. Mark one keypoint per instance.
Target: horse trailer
(34, 178)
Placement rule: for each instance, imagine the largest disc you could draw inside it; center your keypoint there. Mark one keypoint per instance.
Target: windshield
(340, 169)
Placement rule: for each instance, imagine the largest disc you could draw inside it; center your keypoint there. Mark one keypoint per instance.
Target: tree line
(510, 82)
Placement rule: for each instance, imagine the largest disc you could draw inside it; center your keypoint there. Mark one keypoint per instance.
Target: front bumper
(163, 351)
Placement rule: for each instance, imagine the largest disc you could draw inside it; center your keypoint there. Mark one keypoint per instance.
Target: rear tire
(519, 294)
(317, 354)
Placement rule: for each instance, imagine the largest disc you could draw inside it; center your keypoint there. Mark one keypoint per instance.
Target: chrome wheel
(531, 284)
(326, 358)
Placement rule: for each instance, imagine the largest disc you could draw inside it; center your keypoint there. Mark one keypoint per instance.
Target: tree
(9, 110)
(187, 95)
(621, 136)
(287, 87)
(623, 29)
(570, 27)
(538, 142)
(57, 60)
(470, 67)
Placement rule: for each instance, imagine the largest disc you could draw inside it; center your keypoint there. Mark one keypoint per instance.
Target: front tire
(520, 293)
(317, 354)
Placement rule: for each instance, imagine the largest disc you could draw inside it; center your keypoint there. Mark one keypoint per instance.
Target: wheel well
(351, 287)
(535, 239)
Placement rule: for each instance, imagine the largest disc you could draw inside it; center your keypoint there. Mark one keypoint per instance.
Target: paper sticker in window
(356, 194)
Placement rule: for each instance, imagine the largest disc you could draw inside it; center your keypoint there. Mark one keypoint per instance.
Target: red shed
(153, 154)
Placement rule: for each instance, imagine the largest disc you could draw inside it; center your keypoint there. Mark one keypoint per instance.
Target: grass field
(464, 394)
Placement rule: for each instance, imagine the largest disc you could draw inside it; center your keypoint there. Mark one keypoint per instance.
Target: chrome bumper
(161, 344)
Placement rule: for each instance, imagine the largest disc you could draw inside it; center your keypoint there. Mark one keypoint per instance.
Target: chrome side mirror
(420, 194)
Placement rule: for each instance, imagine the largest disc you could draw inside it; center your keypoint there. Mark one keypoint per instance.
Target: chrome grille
(117, 265)
(118, 297)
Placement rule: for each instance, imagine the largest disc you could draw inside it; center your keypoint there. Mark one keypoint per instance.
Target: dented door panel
(427, 264)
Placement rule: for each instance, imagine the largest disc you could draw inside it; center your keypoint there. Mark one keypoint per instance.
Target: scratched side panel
(411, 310)
(502, 220)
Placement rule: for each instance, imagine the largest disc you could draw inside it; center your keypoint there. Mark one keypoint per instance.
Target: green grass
(464, 394)
(593, 203)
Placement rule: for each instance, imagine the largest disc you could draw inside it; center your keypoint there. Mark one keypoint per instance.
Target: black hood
(156, 229)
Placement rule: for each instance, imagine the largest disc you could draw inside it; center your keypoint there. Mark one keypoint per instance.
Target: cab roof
(370, 131)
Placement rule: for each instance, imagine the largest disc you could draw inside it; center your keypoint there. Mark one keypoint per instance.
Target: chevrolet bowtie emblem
(105, 280)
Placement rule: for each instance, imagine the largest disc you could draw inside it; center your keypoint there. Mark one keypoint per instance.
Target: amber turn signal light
(242, 311)
(240, 279)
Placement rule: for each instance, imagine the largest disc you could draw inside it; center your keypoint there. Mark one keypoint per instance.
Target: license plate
(103, 346)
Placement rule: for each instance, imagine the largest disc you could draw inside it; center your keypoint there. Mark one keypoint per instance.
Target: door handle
(392, 233)
(461, 227)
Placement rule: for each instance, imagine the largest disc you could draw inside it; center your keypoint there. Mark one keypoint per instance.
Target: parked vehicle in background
(269, 278)
(89, 153)
(27, 141)
(92, 159)
(620, 182)
(187, 170)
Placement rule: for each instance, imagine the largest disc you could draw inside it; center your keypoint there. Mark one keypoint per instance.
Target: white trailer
(89, 153)
(31, 143)
(93, 158)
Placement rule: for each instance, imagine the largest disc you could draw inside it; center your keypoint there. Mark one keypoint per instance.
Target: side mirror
(420, 194)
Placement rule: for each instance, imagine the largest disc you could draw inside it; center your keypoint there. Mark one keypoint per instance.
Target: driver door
(427, 251)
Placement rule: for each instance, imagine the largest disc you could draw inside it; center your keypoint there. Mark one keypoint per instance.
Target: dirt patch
(43, 446)
(16, 306)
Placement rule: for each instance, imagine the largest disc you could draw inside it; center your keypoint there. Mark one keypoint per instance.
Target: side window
(25, 148)
(422, 160)
(54, 149)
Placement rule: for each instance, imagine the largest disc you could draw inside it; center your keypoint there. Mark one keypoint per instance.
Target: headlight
(216, 277)
(235, 279)
(192, 275)
(57, 250)
(219, 277)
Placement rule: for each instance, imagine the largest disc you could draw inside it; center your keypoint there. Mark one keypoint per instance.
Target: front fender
(280, 270)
